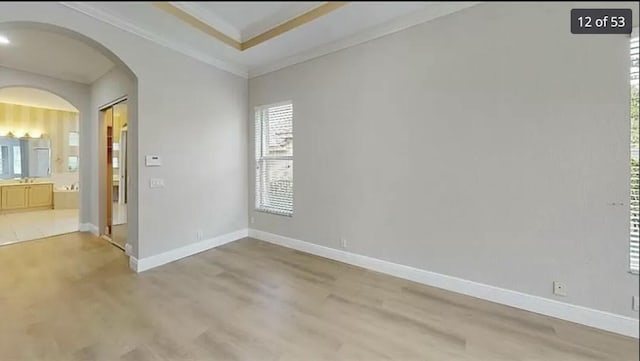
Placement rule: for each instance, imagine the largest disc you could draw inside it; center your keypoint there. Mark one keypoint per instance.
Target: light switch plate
(156, 183)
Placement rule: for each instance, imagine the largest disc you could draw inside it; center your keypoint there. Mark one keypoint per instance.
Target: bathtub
(65, 198)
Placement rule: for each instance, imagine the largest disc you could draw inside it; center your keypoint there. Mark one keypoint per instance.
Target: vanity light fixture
(22, 134)
(18, 133)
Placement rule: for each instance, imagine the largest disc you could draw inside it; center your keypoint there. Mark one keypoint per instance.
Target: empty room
(319, 181)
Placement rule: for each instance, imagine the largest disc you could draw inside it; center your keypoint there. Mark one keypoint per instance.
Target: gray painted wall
(490, 144)
(190, 113)
(196, 119)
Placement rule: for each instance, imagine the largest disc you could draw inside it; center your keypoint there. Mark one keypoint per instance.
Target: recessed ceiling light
(4, 40)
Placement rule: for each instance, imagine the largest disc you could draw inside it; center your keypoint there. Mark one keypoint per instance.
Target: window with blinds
(634, 202)
(274, 158)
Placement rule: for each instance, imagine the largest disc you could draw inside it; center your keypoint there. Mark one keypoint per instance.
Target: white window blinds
(634, 202)
(274, 158)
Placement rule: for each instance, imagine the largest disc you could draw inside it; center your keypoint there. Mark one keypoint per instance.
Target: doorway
(39, 169)
(100, 78)
(115, 120)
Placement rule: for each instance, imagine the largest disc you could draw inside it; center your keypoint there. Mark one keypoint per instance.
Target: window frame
(76, 135)
(77, 164)
(630, 265)
(260, 160)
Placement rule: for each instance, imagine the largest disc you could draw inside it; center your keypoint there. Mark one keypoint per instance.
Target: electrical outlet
(343, 243)
(559, 289)
(635, 303)
(199, 235)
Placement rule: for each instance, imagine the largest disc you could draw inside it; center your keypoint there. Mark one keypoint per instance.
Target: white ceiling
(251, 18)
(51, 54)
(346, 26)
(34, 98)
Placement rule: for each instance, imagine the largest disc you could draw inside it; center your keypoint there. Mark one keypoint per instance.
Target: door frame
(106, 184)
(122, 160)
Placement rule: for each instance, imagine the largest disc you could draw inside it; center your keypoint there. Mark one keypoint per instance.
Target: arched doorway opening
(89, 96)
(39, 164)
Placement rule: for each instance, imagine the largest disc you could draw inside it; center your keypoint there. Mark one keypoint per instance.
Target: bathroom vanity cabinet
(26, 196)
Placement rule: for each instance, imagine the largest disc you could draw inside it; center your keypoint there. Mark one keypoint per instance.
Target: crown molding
(203, 14)
(293, 23)
(196, 23)
(433, 11)
(187, 16)
(114, 20)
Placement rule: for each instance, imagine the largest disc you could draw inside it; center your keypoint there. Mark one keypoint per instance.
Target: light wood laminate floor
(73, 297)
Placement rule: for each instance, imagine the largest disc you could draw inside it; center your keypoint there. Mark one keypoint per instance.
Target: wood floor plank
(73, 297)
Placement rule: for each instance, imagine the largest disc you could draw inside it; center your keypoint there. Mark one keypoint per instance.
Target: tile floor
(25, 226)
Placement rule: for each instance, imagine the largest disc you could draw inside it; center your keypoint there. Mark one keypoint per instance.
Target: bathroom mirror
(25, 157)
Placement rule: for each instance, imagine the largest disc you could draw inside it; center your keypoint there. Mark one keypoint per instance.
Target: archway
(92, 173)
(39, 164)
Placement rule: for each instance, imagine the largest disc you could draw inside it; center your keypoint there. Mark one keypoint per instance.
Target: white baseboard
(88, 227)
(128, 249)
(586, 316)
(147, 263)
(133, 264)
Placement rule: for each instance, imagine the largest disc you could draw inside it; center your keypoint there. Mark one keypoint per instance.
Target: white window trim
(267, 157)
(634, 33)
